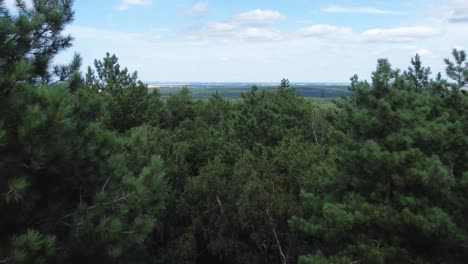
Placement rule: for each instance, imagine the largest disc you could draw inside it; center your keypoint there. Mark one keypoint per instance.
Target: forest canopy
(96, 169)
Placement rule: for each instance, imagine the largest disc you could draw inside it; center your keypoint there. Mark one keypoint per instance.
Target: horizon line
(239, 82)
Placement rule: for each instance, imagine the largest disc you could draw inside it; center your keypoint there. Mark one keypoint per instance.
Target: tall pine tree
(71, 191)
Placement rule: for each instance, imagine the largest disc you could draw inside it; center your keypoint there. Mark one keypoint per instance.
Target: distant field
(234, 90)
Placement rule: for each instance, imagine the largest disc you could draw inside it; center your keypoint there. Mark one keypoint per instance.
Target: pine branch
(115, 201)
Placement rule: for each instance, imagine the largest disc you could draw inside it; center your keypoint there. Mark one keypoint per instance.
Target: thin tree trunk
(280, 249)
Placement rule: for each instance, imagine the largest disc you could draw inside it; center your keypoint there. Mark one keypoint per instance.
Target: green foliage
(390, 198)
(236, 189)
(126, 97)
(29, 42)
(71, 191)
(458, 70)
(17, 188)
(101, 171)
(180, 108)
(33, 247)
(109, 78)
(417, 74)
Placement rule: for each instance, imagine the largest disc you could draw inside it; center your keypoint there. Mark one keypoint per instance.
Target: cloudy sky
(264, 40)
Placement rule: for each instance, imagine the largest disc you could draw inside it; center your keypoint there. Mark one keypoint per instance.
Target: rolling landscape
(234, 90)
(357, 153)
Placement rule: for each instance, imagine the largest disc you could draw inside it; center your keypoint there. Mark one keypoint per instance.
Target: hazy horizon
(242, 82)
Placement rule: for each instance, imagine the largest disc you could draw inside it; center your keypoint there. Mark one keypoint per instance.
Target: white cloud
(219, 28)
(322, 30)
(122, 38)
(199, 10)
(424, 52)
(11, 4)
(200, 43)
(259, 17)
(250, 49)
(244, 26)
(458, 11)
(400, 34)
(410, 50)
(261, 34)
(127, 4)
(358, 10)
(248, 56)
(193, 37)
(458, 17)
(227, 32)
(452, 11)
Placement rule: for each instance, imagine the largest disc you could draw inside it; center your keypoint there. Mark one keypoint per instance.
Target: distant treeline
(234, 92)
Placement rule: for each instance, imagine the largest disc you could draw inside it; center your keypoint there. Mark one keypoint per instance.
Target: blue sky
(261, 40)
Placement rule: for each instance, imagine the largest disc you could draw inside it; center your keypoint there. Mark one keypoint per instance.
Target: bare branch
(7, 260)
(105, 184)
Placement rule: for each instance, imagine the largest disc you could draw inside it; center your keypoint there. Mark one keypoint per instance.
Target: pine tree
(126, 97)
(418, 74)
(71, 191)
(458, 70)
(29, 42)
(387, 199)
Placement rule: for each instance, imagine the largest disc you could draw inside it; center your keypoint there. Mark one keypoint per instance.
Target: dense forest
(96, 169)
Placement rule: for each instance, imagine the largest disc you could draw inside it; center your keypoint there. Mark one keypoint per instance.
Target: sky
(265, 40)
